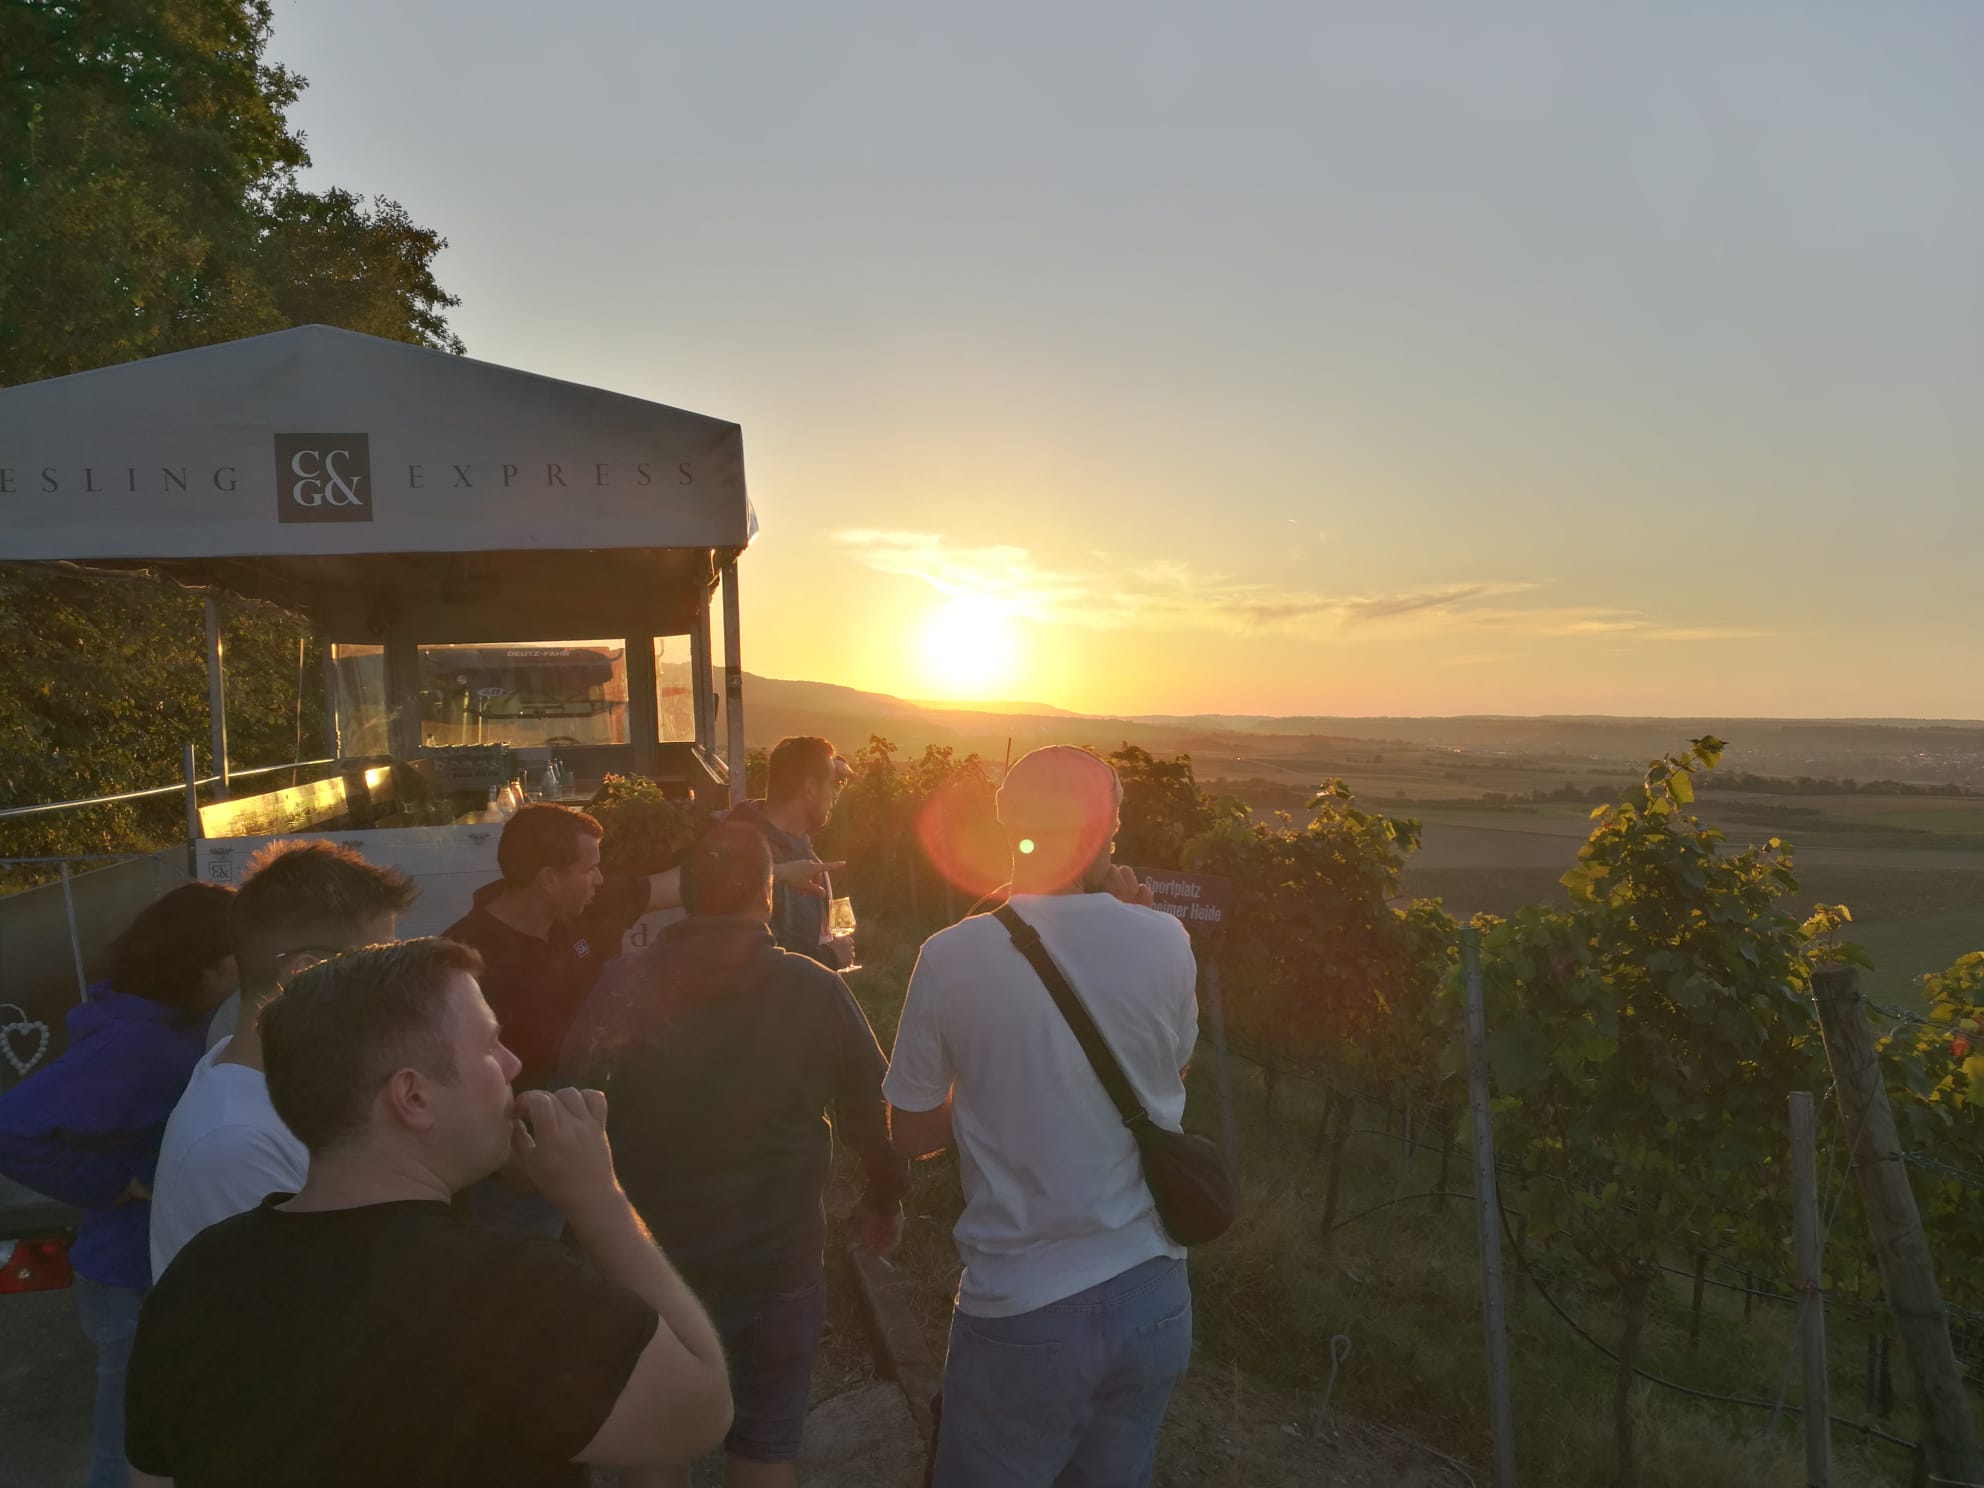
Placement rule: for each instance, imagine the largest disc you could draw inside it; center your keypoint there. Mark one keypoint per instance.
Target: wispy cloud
(1178, 596)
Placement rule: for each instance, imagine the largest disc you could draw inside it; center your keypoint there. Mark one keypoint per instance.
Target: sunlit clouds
(987, 584)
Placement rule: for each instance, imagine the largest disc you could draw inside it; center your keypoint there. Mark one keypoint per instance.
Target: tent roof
(317, 443)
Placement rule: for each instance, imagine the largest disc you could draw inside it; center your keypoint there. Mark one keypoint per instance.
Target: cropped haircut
(727, 872)
(541, 835)
(335, 1033)
(793, 763)
(163, 953)
(304, 893)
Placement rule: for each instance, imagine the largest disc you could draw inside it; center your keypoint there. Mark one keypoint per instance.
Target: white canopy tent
(398, 496)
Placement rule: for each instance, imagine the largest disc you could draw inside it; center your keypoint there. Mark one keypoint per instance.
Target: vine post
(1488, 1214)
(1811, 1300)
(1908, 1272)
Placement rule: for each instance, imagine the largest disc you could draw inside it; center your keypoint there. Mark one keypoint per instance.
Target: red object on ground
(35, 1266)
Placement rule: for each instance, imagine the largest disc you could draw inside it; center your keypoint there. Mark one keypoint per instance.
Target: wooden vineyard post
(1695, 1311)
(1811, 1301)
(1908, 1273)
(1488, 1215)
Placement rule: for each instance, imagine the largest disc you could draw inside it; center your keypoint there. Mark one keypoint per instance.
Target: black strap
(1100, 1057)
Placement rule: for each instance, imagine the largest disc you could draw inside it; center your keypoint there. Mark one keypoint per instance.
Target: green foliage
(1644, 1040)
(1323, 968)
(1163, 808)
(148, 188)
(645, 831)
(106, 682)
(919, 838)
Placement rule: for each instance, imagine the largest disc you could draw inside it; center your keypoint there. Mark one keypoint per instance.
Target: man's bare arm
(146, 1480)
(921, 1133)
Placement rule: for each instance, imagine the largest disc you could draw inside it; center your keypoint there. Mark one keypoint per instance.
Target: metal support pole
(192, 812)
(1488, 1215)
(332, 747)
(643, 702)
(701, 684)
(1811, 1301)
(216, 694)
(403, 713)
(75, 935)
(733, 681)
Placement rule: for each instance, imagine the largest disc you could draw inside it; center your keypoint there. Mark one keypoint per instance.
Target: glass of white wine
(840, 933)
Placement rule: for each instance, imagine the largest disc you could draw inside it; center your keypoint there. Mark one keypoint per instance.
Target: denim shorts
(770, 1339)
(1070, 1394)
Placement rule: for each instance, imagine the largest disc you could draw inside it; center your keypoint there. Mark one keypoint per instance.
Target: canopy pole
(700, 681)
(402, 696)
(643, 703)
(733, 681)
(216, 695)
(332, 748)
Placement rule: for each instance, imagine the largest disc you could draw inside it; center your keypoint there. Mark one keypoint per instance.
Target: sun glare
(967, 648)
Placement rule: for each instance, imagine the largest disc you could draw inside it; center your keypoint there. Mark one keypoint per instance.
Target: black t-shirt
(536, 987)
(387, 1344)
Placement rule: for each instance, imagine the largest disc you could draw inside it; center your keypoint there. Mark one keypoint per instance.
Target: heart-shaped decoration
(14, 1038)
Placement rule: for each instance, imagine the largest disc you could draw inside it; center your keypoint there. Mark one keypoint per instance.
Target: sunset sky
(1280, 358)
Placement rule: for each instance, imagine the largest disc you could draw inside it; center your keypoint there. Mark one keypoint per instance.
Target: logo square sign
(323, 478)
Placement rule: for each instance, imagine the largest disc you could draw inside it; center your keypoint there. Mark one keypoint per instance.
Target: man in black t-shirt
(358, 1333)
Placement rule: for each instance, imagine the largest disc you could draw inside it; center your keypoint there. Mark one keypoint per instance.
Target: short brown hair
(793, 763)
(162, 954)
(336, 1031)
(541, 835)
(299, 892)
(728, 871)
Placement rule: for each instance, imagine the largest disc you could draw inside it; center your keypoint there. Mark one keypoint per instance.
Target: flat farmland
(1909, 869)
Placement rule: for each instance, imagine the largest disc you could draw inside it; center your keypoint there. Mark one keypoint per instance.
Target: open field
(1911, 870)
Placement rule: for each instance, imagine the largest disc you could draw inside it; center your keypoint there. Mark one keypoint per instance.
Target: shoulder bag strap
(1100, 1057)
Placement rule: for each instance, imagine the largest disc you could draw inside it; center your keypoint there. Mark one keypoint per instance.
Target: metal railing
(19, 813)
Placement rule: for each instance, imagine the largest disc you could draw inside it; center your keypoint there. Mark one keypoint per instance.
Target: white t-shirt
(1055, 1200)
(225, 1151)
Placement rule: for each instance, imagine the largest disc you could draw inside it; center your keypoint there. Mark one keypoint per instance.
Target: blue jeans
(1071, 1394)
(770, 1339)
(109, 1315)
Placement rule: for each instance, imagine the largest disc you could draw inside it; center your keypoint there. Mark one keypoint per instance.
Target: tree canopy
(150, 199)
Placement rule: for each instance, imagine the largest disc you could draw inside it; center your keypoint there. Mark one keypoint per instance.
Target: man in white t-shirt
(225, 1148)
(1074, 1315)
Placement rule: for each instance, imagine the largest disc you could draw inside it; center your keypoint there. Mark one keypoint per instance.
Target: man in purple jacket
(85, 1129)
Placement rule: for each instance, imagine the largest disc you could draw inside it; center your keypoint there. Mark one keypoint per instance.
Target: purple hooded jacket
(80, 1128)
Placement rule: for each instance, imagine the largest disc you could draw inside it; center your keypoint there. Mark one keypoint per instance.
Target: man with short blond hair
(358, 1332)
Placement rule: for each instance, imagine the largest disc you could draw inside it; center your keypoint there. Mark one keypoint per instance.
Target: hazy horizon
(1335, 360)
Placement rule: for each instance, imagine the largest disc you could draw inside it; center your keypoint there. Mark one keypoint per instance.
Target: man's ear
(405, 1096)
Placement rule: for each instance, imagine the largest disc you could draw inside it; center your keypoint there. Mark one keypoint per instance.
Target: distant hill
(1410, 754)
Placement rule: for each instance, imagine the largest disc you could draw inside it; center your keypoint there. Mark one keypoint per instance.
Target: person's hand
(806, 875)
(1122, 882)
(559, 1139)
(878, 1234)
(135, 1192)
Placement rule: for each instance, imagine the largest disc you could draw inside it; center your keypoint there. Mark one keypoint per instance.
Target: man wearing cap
(1074, 1316)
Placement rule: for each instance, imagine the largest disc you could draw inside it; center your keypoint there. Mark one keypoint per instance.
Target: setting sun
(967, 648)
